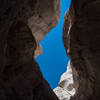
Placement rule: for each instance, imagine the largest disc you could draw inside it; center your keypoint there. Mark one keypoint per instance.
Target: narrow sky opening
(53, 61)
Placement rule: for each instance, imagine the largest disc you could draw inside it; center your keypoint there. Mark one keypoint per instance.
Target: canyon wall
(81, 38)
(23, 24)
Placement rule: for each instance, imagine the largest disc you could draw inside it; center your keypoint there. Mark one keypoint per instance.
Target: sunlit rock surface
(66, 86)
(23, 24)
(81, 36)
(46, 17)
(38, 50)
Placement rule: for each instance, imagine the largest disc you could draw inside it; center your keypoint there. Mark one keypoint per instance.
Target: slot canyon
(23, 24)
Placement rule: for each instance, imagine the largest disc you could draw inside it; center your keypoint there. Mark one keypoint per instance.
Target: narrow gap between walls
(53, 62)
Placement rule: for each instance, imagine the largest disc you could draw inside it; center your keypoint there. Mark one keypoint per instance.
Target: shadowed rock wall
(82, 42)
(40, 16)
(23, 24)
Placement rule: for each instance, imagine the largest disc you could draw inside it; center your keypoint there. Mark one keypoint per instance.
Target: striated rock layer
(82, 42)
(23, 24)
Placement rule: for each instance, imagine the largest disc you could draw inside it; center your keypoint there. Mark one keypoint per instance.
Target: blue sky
(53, 61)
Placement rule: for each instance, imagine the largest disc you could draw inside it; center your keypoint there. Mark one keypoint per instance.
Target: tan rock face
(38, 50)
(46, 18)
(23, 24)
(81, 40)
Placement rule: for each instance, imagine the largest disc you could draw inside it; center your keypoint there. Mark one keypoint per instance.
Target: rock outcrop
(40, 16)
(82, 43)
(23, 24)
(66, 86)
(38, 50)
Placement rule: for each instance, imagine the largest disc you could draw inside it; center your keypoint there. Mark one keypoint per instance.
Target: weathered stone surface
(82, 42)
(38, 50)
(23, 24)
(66, 86)
(40, 16)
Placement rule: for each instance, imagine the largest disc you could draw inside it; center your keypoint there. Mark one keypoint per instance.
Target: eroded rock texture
(66, 87)
(82, 42)
(23, 24)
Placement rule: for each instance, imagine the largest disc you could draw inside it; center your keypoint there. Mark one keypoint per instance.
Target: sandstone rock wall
(40, 16)
(82, 42)
(23, 24)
